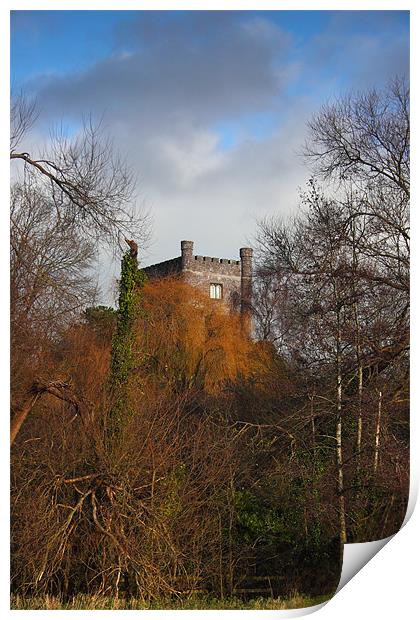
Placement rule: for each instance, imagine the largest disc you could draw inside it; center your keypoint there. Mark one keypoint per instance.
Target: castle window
(215, 291)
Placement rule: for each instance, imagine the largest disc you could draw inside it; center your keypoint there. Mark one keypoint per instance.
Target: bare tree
(363, 141)
(347, 322)
(89, 183)
(50, 261)
(364, 137)
(50, 281)
(23, 115)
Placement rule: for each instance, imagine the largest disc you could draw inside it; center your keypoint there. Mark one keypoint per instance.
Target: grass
(82, 601)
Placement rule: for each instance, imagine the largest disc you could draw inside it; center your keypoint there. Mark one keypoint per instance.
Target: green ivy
(271, 525)
(256, 520)
(124, 357)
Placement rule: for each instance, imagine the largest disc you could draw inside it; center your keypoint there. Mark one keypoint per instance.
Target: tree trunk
(359, 391)
(339, 449)
(377, 433)
(355, 267)
(20, 416)
(59, 389)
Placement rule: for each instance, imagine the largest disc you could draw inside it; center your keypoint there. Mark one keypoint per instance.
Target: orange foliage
(84, 357)
(188, 339)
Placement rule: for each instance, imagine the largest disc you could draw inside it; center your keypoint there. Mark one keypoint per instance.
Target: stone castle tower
(224, 280)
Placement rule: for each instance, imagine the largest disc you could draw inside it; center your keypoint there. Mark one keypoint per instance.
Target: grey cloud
(175, 72)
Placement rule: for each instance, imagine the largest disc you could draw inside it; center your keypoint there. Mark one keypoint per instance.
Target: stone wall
(165, 269)
(203, 271)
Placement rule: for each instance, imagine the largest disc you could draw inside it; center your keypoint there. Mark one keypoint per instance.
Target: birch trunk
(313, 424)
(339, 449)
(377, 433)
(358, 351)
(359, 389)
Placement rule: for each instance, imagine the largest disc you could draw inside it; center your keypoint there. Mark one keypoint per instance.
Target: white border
(387, 587)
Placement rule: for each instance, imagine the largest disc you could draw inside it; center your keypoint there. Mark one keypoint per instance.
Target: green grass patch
(82, 601)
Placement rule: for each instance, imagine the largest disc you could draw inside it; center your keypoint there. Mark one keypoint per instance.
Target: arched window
(215, 291)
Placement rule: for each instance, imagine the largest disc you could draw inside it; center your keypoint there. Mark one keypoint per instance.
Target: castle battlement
(212, 259)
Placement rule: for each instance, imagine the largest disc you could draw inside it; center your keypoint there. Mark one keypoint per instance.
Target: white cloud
(191, 157)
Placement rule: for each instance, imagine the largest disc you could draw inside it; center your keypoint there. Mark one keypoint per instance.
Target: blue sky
(210, 108)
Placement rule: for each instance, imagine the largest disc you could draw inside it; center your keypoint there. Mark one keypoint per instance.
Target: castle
(224, 280)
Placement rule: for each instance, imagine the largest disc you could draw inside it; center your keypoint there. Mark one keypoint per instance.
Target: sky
(208, 107)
